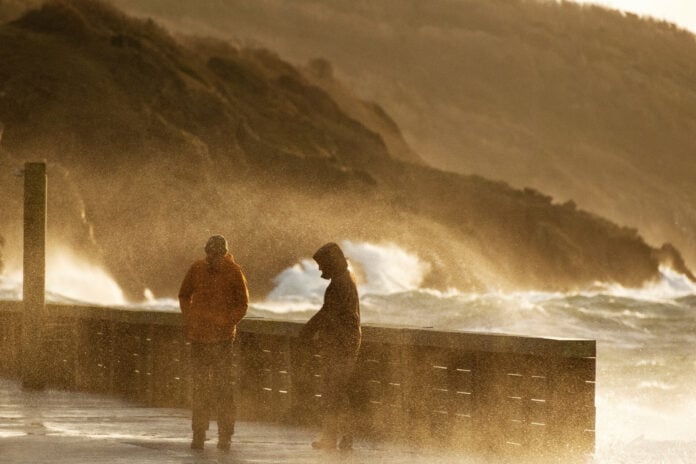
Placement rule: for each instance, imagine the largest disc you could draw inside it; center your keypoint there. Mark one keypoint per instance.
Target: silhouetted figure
(213, 299)
(337, 327)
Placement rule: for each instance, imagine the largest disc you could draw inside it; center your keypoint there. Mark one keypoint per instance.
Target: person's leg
(224, 394)
(344, 419)
(302, 368)
(200, 402)
(337, 372)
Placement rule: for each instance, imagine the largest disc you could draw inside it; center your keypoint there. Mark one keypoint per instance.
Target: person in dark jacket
(337, 327)
(213, 299)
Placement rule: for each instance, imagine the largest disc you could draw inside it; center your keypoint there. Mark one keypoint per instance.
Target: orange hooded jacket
(213, 299)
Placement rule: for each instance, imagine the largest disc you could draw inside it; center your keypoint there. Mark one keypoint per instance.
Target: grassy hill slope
(153, 143)
(577, 101)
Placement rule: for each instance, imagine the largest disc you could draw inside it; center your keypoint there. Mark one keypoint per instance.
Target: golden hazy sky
(680, 12)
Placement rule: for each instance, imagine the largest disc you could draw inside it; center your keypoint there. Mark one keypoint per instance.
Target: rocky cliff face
(155, 142)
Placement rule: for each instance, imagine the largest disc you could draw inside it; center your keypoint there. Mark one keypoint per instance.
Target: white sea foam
(11, 286)
(301, 283)
(69, 279)
(380, 269)
(645, 361)
(73, 277)
(384, 269)
(655, 385)
(671, 285)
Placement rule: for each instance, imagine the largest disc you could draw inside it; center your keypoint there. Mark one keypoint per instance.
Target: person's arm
(314, 324)
(322, 318)
(185, 292)
(240, 298)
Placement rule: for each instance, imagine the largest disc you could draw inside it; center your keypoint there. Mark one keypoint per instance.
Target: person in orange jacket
(213, 299)
(337, 327)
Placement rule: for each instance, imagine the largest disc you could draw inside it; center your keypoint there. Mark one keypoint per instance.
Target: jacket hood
(216, 244)
(331, 259)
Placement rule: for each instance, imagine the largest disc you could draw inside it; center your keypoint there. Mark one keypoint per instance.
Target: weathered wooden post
(34, 286)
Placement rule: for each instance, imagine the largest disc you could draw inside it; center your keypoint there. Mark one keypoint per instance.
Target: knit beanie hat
(216, 245)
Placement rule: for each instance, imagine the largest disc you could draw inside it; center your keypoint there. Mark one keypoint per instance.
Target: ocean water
(646, 338)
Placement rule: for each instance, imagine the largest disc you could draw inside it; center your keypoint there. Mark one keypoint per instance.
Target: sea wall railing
(489, 392)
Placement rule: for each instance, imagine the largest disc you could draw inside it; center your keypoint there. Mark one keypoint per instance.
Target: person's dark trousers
(338, 371)
(213, 388)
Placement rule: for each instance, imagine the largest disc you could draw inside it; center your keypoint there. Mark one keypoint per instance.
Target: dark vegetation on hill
(153, 143)
(576, 101)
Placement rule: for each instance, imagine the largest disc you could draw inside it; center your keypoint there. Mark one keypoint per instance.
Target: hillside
(577, 101)
(154, 142)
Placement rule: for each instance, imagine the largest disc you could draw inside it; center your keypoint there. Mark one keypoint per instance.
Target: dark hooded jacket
(337, 323)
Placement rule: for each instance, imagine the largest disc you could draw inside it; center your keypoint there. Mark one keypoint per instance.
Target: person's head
(331, 260)
(216, 247)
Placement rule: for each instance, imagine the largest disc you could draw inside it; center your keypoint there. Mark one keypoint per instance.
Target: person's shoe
(224, 443)
(346, 443)
(324, 443)
(197, 445)
(198, 441)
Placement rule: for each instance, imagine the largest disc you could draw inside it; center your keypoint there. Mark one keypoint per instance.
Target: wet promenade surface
(64, 427)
